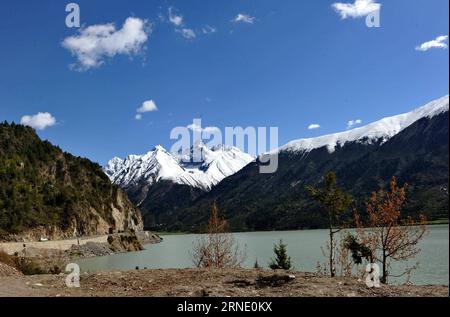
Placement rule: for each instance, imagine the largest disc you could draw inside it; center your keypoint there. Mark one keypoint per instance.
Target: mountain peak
(381, 130)
(159, 148)
(201, 167)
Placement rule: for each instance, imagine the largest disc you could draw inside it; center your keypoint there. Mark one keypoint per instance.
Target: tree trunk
(331, 252)
(384, 278)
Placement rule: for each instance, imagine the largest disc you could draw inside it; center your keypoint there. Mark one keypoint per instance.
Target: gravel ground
(197, 283)
(6, 270)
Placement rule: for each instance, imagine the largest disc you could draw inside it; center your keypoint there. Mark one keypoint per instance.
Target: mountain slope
(413, 147)
(159, 181)
(46, 191)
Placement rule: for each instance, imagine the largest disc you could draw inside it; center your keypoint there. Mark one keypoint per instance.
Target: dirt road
(61, 245)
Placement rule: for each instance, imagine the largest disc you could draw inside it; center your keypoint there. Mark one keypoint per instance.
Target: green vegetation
(335, 203)
(282, 260)
(359, 250)
(40, 185)
(252, 201)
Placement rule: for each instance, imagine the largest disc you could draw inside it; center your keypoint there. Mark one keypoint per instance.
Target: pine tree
(335, 202)
(359, 250)
(282, 261)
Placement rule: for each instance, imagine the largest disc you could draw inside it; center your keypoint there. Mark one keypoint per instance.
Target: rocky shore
(213, 283)
(53, 256)
(119, 243)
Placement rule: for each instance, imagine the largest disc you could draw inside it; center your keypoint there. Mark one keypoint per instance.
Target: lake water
(304, 248)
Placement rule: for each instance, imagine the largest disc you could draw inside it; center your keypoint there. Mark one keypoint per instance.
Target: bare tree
(218, 248)
(386, 233)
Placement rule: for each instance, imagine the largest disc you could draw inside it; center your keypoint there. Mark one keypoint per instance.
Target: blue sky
(285, 63)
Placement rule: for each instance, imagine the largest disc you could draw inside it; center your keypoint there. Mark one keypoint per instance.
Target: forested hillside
(42, 187)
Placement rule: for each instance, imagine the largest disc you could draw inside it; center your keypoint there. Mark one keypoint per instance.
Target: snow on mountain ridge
(383, 130)
(209, 169)
(216, 163)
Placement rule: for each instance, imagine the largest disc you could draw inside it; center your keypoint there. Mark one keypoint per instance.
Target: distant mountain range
(176, 196)
(205, 171)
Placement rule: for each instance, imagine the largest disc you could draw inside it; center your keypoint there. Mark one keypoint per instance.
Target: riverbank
(200, 283)
(145, 237)
(53, 256)
(304, 248)
(83, 243)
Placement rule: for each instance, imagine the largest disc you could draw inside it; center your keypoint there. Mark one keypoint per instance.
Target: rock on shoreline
(116, 243)
(55, 259)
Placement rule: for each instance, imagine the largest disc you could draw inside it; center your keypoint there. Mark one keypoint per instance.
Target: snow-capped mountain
(176, 193)
(210, 167)
(379, 131)
(412, 146)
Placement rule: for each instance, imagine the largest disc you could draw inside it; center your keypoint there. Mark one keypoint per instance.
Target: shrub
(282, 261)
(217, 249)
(28, 266)
(55, 270)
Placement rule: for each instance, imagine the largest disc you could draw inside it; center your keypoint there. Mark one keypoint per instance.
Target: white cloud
(313, 126)
(439, 42)
(244, 18)
(95, 43)
(188, 33)
(353, 123)
(39, 121)
(175, 19)
(358, 9)
(138, 116)
(197, 128)
(208, 29)
(147, 106)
